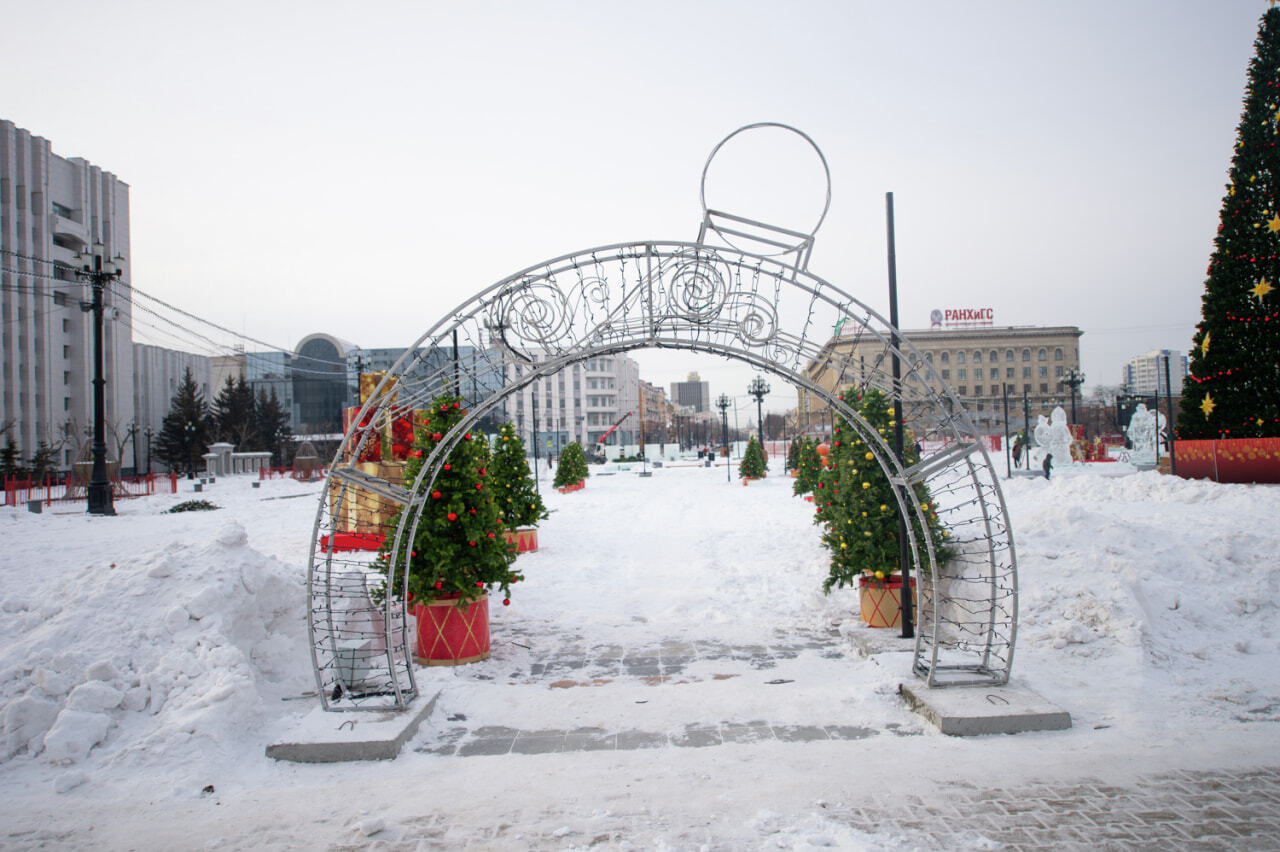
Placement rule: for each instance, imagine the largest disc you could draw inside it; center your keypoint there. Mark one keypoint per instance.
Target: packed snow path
(668, 677)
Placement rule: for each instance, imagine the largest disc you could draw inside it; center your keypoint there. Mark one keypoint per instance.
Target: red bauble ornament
(436, 495)
(456, 405)
(479, 585)
(444, 408)
(479, 486)
(472, 511)
(491, 535)
(448, 467)
(472, 543)
(439, 585)
(506, 601)
(436, 436)
(453, 516)
(466, 437)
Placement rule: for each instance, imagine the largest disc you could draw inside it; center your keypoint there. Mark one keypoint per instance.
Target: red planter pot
(881, 600)
(524, 538)
(450, 635)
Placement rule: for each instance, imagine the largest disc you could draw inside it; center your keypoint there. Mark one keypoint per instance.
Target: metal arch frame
(678, 296)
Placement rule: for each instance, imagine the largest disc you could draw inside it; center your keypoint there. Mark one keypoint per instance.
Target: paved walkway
(1181, 810)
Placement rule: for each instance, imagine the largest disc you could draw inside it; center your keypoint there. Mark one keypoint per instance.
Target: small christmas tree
(572, 467)
(459, 548)
(753, 464)
(1234, 388)
(518, 498)
(793, 454)
(856, 503)
(808, 467)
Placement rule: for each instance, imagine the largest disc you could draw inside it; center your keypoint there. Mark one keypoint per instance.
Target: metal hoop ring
(702, 187)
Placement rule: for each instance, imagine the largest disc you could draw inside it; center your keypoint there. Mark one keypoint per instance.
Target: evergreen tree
(518, 498)
(10, 463)
(43, 461)
(459, 547)
(753, 462)
(271, 426)
(572, 467)
(184, 434)
(856, 503)
(793, 453)
(233, 415)
(1234, 387)
(808, 467)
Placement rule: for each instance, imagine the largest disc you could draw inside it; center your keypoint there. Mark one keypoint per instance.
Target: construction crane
(597, 454)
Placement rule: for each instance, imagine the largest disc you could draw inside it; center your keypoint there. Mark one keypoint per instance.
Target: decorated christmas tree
(572, 467)
(518, 499)
(793, 453)
(458, 548)
(1234, 387)
(855, 502)
(808, 467)
(753, 463)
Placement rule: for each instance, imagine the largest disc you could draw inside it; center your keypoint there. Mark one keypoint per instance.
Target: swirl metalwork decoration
(535, 313)
(757, 318)
(697, 288)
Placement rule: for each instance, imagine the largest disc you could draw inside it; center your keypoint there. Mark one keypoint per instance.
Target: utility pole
(148, 432)
(133, 439)
(904, 559)
(98, 273)
(1026, 428)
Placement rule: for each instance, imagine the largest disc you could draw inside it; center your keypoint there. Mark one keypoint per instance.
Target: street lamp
(1073, 379)
(98, 273)
(723, 404)
(758, 388)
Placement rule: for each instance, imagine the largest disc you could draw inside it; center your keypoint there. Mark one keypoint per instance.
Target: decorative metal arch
(764, 311)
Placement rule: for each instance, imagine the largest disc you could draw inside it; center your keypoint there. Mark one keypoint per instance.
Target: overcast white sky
(359, 169)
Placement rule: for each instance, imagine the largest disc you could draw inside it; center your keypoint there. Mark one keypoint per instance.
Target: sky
(362, 169)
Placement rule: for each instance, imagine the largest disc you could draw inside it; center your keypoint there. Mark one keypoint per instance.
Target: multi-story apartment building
(157, 373)
(1144, 375)
(579, 403)
(51, 209)
(977, 364)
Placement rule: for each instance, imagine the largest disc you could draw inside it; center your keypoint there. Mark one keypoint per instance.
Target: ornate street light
(723, 404)
(98, 272)
(758, 388)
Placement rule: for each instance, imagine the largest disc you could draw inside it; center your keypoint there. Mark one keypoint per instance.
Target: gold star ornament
(1273, 224)
(1207, 405)
(1262, 288)
(1204, 344)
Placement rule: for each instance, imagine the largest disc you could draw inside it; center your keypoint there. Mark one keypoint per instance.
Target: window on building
(1026, 388)
(1044, 387)
(66, 325)
(1026, 372)
(1044, 372)
(994, 356)
(1008, 372)
(946, 375)
(928, 356)
(66, 351)
(962, 390)
(1043, 356)
(945, 357)
(59, 298)
(962, 374)
(66, 377)
(1058, 371)
(1057, 354)
(1008, 354)
(977, 356)
(959, 357)
(1026, 354)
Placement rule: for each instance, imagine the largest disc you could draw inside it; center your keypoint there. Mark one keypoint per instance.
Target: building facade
(581, 402)
(157, 373)
(51, 209)
(692, 392)
(1144, 375)
(977, 364)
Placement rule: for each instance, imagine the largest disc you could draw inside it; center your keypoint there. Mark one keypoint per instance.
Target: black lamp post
(758, 388)
(1073, 379)
(98, 273)
(133, 439)
(148, 432)
(189, 429)
(723, 404)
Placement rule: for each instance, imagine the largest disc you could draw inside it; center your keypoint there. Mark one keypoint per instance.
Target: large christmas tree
(518, 498)
(856, 503)
(458, 548)
(1234, 387)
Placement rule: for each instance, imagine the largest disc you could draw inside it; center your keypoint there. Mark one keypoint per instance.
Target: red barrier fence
(64, 487)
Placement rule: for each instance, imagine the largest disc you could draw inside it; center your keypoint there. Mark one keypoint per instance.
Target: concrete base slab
(869, 641)
(966, 711)
(324, 737)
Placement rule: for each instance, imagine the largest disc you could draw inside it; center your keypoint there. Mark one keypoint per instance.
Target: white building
(51, 208)
(1144, 375)
(579, 403)
(157, 373)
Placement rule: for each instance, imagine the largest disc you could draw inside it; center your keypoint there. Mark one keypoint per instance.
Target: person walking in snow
(1048, 464)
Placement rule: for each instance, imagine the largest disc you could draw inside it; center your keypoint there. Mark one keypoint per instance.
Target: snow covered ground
(146, 661)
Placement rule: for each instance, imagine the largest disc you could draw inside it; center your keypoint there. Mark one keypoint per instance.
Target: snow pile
(1170, 585)
(150, 659)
